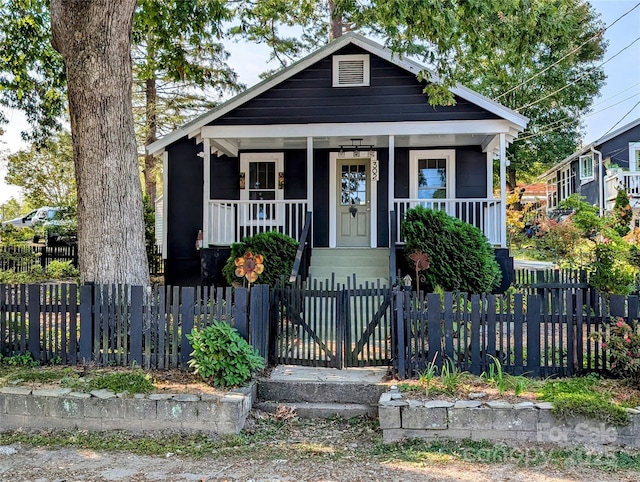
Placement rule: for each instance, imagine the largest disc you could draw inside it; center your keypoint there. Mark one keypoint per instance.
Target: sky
(616, 106)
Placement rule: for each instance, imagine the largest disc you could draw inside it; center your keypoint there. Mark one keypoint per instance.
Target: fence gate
(335, 328)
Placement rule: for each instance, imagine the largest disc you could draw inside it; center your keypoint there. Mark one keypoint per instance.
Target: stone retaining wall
(497, 421)
(103, 410)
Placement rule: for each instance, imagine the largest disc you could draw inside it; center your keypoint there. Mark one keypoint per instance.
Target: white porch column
(165, 201)
(503, 191)
(392, 169)
(489, 175)
(206, 191)
(310, 174)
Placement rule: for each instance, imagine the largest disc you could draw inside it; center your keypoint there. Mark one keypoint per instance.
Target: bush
(585, 217)
(220, 355)
(62, 270)
(279, 253)
(460, 256)
(610, 273)
(624, 350)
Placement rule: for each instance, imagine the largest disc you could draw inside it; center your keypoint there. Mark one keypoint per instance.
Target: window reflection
(354, 184)
(432, 178)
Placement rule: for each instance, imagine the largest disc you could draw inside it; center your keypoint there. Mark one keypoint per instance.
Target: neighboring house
(345, 134)
(598, 170)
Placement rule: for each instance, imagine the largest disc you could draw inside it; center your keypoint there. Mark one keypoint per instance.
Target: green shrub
(279, 253)
(62, 270)
(622, 213)
(460, 256)
(610, 273)
(586, 217)
(221, 356)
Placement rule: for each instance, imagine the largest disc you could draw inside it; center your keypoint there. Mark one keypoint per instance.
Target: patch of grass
(484, 452)
(131, 382)
(583, 396)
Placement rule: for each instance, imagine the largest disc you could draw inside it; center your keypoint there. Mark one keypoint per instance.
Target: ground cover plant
(221, 356)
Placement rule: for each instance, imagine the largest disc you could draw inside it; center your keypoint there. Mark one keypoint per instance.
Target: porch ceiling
(440, 140)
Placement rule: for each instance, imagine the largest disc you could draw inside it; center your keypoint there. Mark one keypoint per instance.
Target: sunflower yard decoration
(249, 266)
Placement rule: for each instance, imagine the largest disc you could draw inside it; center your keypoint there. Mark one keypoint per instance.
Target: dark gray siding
(225, 178)
(401, 178)
(471, 173)
(618, 147)
(383, 198)
(184, 212)
(308, 97)
(321, 199)
(295, 172)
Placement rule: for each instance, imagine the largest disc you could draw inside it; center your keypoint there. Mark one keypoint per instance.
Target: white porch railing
(484, 214)
(627, 180)
(230, 221)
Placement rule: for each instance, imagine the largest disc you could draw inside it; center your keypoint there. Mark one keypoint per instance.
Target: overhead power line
(599, 33)
(530, 104)
(623, 117)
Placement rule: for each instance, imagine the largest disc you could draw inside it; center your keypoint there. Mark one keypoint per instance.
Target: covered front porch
(358, 183)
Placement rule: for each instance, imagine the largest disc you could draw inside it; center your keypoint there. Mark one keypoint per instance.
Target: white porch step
(341, 264)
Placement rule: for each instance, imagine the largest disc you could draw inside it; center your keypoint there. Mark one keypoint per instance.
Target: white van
(35, 217)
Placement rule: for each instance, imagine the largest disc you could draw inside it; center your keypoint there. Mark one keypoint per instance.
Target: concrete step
(369, 272)
(351, 252)
(322, 283)
(295, 391)
(368, 264)
(322, 410)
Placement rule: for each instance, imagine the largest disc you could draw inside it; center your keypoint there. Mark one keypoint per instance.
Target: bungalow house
(598, 170)
(344, 139)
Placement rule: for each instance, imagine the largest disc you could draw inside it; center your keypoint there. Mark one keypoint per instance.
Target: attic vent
(350, 70)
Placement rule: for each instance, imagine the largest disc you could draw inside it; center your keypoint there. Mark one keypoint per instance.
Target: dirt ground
(293, 450)
(72, 465)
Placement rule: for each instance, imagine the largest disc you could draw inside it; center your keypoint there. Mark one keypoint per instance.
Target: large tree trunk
(152, 136)
(94, 38)
(335, 22)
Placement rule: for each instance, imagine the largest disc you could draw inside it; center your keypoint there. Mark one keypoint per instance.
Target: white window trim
(245, 159)
(633, 148)
(365, 65)
(448, 154)
(586, 178)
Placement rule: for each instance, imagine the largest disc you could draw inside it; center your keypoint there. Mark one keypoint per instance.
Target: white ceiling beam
(225, 146)
(481, 127)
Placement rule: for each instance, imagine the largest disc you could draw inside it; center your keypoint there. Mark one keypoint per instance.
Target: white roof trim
(351, 38)
(594, 144)
(617, 132)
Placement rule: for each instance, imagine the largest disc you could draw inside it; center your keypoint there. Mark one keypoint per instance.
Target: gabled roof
(593, 145)
(351, 38)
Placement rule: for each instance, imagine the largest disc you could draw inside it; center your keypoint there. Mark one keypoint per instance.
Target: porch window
(261, 172)
(634, 156)
(432, 174)
(586, 168)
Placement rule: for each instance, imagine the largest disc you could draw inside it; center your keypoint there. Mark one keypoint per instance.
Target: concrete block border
(102, 410)
(498, 421)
